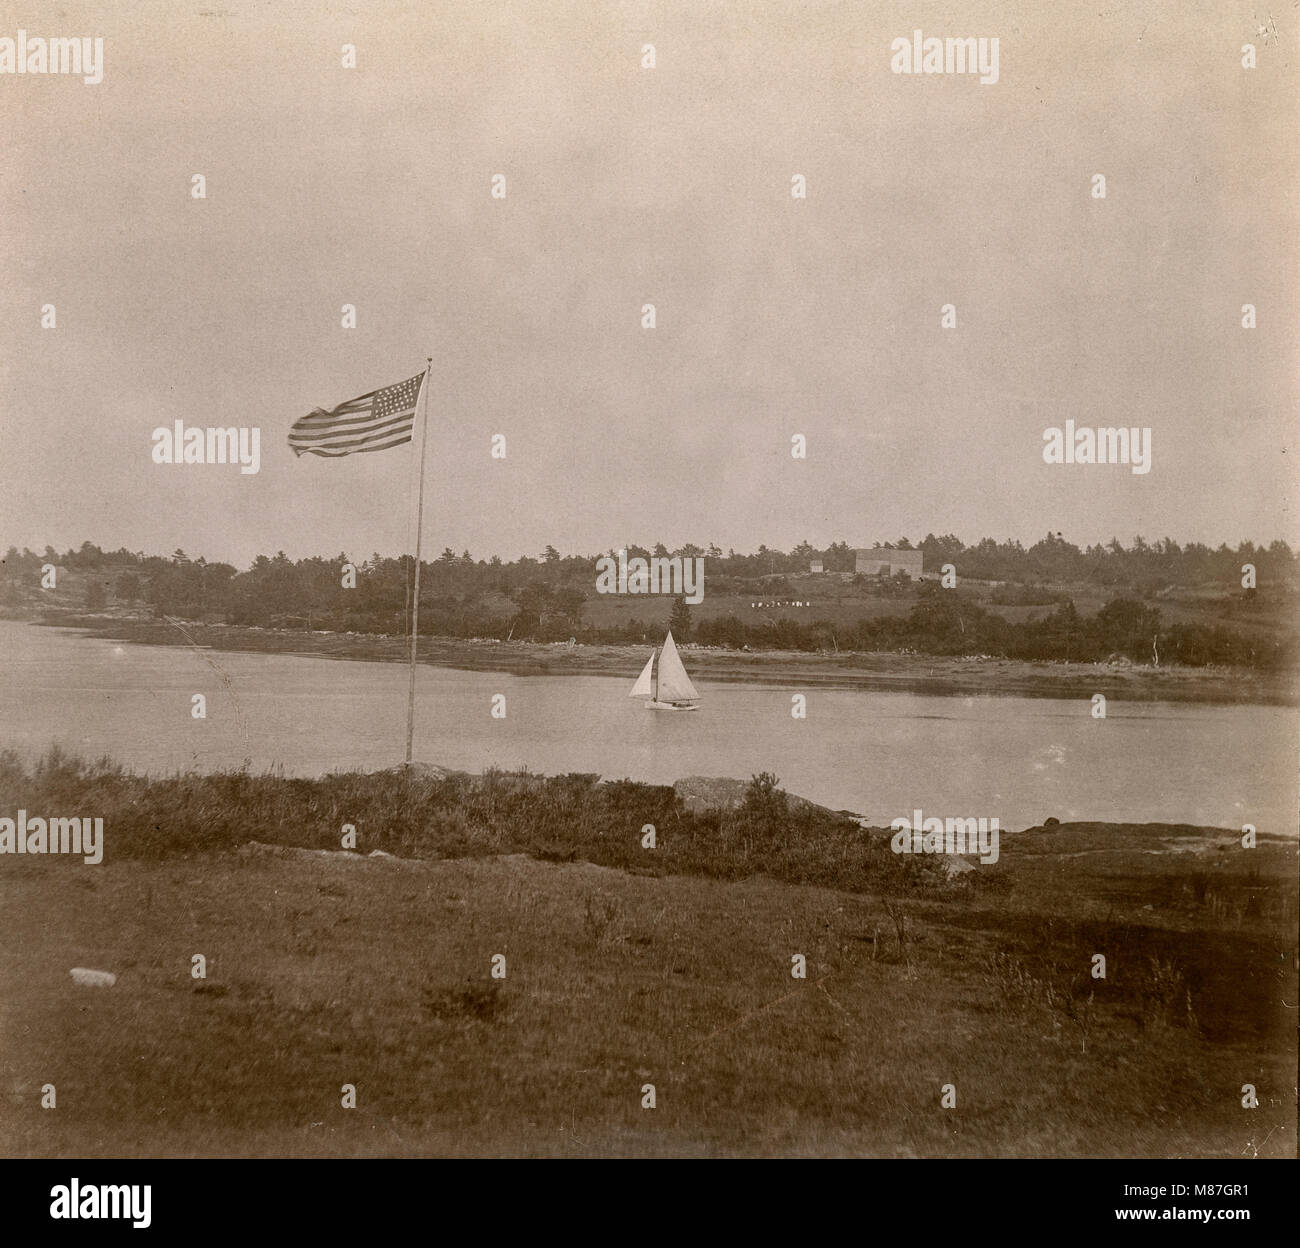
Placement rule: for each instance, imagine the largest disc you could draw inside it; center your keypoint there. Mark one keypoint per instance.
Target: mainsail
(674, 684)
(643, 687)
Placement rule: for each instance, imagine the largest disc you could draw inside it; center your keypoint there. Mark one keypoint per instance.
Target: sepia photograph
(649, 579)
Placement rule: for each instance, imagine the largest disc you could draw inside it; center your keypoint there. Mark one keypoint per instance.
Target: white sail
(643, 688)
(674, 684)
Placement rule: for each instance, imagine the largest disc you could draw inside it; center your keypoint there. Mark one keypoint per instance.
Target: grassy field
(625, 967)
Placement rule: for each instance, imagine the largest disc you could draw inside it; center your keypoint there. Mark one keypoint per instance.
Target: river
(880, 754)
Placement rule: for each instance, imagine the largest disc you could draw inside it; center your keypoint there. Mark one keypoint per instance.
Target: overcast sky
(670, 186)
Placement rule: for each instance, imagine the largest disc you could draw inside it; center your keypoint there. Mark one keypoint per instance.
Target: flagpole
(415, 594)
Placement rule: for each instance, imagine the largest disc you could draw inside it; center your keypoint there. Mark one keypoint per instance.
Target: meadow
(627, 966)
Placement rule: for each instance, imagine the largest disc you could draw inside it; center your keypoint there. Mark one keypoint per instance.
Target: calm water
(881, 754)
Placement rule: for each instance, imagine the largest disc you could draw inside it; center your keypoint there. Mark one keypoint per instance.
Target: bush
(564, 817)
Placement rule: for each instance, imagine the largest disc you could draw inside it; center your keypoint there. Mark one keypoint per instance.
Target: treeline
(1141, 568)
(942, 623)
(545, 599)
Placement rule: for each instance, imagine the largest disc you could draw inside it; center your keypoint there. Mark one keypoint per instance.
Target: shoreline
(879, 671)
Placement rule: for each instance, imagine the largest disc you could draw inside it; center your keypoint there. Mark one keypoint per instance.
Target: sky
(775, 316)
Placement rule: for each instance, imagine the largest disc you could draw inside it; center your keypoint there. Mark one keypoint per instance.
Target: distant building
(815, 566)
(888, 560)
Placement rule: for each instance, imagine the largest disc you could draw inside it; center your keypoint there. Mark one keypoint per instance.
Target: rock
(429, 771)
(258, 849)
(92, 979)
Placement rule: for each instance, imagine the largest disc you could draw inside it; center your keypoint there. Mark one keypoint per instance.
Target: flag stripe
(366, 441)
(346, 430)
(320, 450)
(321, 416)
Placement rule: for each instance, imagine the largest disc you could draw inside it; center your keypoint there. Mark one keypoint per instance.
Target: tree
(96, 598)
(1063, 629)
(765, 807)
(533, 604)
(569, 604)
(1127, 626)
(679, 622)
(128, 587)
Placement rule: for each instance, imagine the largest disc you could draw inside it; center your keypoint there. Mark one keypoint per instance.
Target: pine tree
(679, 622)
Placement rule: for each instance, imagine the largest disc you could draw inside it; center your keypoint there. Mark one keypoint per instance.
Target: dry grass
(325, 970)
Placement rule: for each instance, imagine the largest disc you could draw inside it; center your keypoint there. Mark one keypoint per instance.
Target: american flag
(370, 422)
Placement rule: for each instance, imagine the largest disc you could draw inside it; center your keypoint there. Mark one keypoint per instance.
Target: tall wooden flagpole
(415, 595)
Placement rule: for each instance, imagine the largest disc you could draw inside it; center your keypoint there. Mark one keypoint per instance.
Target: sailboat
(666, 683)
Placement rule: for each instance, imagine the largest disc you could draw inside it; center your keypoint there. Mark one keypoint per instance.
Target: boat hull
(671, 706)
